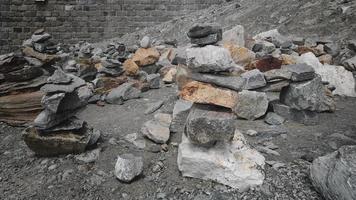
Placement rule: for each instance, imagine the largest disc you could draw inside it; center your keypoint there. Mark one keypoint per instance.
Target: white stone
(231, 163)
(337, 76)
(145, 42)
(128, 167)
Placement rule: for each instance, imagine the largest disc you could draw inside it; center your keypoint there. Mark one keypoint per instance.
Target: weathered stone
(277, 74)
(70, 124)
(231, 163)
(232, 82)
(51, 102)
(334, 175)
(24, 74)
(59, 77)
(180, 113)
(207, 94)
(251, 105)
(300, 72)
(66, 88)
(128, 167)
(350, 64)
(145, 42)
(236, 35)
(274, 119)
(240, 55)
(265, 64)
(151, 69)
(130, 67)
(310, 95)
(157, 129)
(272, 35)
(203, 30)
(332, 49)
(275, 86)
(326, 59)
(208, 124)
(46, 119)
(288, 60)
(209, 59)
(106, 84)
(63, 142)
(254, 79)
(40, 37)
(88, 157)
(305, 117)
(207, 40)
(33, 84)
(154, 81)
(11, 62)
(123, 93)
(144, 57)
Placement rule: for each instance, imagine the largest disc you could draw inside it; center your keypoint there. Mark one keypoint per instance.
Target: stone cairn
(226, 81)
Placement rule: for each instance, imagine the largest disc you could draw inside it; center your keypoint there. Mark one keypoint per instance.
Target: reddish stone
(265, 64)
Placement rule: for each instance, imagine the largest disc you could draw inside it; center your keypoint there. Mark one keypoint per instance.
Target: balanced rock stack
(211, 147)
(56, 130)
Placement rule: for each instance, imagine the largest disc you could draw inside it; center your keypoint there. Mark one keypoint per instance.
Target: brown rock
(288, 59)
(130, 67)
(145, 57)
(241, 55)
(28, 51)
(169, 77)
(326, 59)
(182, 76)
(204, 93)
(265, 64)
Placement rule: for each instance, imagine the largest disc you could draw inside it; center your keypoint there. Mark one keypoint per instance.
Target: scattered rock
(250, 104)
(89, 157)
(128, 167)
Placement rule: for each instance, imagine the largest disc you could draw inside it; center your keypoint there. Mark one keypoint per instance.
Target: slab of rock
(209, 59)
(334, 175)
(207, 124)
(305, 117)
(277, 74)
(251, 105)
(123, 93)
(66, 88)
(51, 102)
(60, 77)
(24, 74)
(157, 129)
(309, 95)
(40, 37)
(47, 119)
(232, 163)
(153, 107)
(208, 94)
(207, 40)
(236, 35)
(28, 51)
(275, 86)
(231, 82)
(300, 72)
(254, 79)
(170, 75)
(274, 119)
(273, 35)
(70, 124)
(128, 167)
(180, 113)
(143, 57)
(203, 30)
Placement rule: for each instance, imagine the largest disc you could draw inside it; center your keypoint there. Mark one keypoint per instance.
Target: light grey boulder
(309, 95)
(209, 59)
(180, 114)
(128, 167)
(254, 79)
(232, 82)
(334, 175)
(123, 93)
(51, 102)
(41, 37)
(251, 105)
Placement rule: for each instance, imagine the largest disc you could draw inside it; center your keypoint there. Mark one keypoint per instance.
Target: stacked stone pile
(56, 130)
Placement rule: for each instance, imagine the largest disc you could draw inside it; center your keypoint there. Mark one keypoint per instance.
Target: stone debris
(128, 167)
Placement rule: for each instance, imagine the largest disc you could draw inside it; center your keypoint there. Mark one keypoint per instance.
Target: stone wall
(70, 21)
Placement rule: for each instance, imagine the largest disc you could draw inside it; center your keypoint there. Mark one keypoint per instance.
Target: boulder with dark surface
(205, 34)
(334, 175)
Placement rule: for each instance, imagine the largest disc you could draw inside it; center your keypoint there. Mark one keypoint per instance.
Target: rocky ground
(90, 176)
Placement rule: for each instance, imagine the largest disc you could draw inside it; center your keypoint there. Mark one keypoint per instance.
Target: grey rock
(350, 64)
(88, 157)
(207, 124)
(277, 74)
(273, 35)
(235, 35)
(305, 117)
(51, 102)
(153, 107)
(72, 123)
(34, 61)
(123, 93)
(115, 71)
(180, 113)
(134, 139)
(267, 151)
(145, 42)
(209, 59)
(203, 30)
(24, 74)
(232, 82)
(157, 129)
(128, 167)
(310, 95)
(66, 88)
(154, 81)
(254, 79)
(274, 119)
(275, 86)
(332, 49)
(300, 72)
(207, 40)
(94, 137)
(251, 105)
(47, 119)
(151, 69)
(334, 175)
(40, 38)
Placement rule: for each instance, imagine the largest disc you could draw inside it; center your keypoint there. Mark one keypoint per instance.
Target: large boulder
(251, 105)
(207, 124)
(231, 163)
(334, 175)
(209, 59)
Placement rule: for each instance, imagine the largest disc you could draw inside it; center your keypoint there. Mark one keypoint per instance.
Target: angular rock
(70, 124)
(231, 163)
(180, 113)
(24, 74)
(33, 84)
(130, 67)
(310, 95)
(241, 55)
(277, 74)
(326, 59)
(59, 77)
(154, 107)
(198, 92)
(251, 105)
(207, 40)
(209, 59)
(265, 64)
(208, 124)
(272, 35)
(305, 117)
(154, 81)
(123, 93)
(350, 64)
(157, 129)
(89, 157)
(170, 75)
(274, 119)
(231, 82)
(151, 69)
(46, 119)
(254, 79)
(51, 102)
(144, 57)
(66, 88)
(203, 30)
(128, 167)
(28, 51)
(40, 37)
(334, 175)
(288, 59)
(236, 35)
(300, 72)
(275, 86)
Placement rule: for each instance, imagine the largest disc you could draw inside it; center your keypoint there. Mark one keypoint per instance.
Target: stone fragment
(332, 49)
(310, 95)
(134, 139)
(123, 93)
(231, 82)
(145, 42)
(274, 119)
(59, 77)
(305, 117)
(208, 124)
(151, 69)
(232, 163)
(180, 113)
(51, 101)
(288, 59)
(334, 175)
(272, 35)
(198, 92)
(277, 74)
(326, 59)
(254, 79)
(66, 88)
(154, 81)
(209, 59)
(128, 167)
(300, 72)
(157, 129)
(241, 55)
(89, 157)
(70, 124)
(275, 86)
(170, 75)
(236, 35)
(130, 67)
(350, 64)
(144, 57)
(40, 37)
(251, 105)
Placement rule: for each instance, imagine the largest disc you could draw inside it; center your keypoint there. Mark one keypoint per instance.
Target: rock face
(309, 95)
(230, 163)
(208, 124)
(251, 105)
(207, 94)
(209, 59)
(180, 113)
(128, 167)
(157, 129)
(334, 175)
